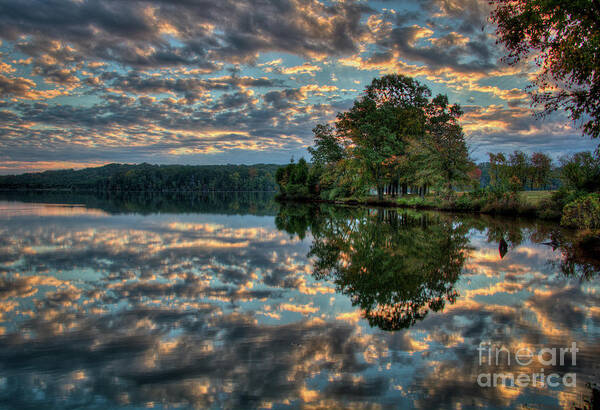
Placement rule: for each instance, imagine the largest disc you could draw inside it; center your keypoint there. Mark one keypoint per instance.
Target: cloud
(284, 99)
(230, 81)
(138, 33)
(23, 88)
(305, 68)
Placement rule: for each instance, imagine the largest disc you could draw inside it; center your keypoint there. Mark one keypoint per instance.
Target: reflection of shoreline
(232, 203)
(531, 211)
(11, 209)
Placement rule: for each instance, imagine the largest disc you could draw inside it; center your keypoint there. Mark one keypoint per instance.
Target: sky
(90, 82)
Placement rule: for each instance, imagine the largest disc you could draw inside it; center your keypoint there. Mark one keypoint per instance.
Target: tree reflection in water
(395, 265)
(579, 251)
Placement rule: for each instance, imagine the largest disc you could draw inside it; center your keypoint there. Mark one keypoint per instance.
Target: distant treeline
(525, 172)
(154, 178)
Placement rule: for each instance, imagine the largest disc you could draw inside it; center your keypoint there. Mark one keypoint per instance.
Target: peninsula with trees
(399, 146)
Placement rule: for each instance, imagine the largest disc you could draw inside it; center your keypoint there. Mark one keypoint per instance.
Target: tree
(564, 38)
(519, 169)
(293, 179)
(581, 171)
(147, 178)
(444, 154)
(300, 173)
(497, 169)
(381, 124)
(345, 179)
(327, 149)
(541, 169)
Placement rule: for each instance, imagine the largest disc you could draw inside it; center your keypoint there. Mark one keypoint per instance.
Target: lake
(236, 301)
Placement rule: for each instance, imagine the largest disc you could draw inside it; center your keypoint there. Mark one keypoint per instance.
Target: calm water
(234, 301)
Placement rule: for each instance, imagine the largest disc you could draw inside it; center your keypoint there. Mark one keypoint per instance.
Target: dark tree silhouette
(564, 38)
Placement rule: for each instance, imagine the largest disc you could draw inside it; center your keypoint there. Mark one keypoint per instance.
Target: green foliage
(541, 170)
(381, 124)
(564, 196)
(486, 201)
(497, 170)
(471, 202)
(344, 180)
(564, 38)
(519, 171)
(415, 201)
(293, 180)
(551, 208)
(154, 178)
(581, 171)
(582, 213)
(315, 173)
(394, 136)
(441, 156)
(507, 203)
(328, 149)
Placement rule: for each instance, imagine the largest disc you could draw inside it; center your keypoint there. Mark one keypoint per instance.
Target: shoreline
(531, 213)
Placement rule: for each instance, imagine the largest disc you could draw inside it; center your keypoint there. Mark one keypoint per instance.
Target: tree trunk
(380, 192)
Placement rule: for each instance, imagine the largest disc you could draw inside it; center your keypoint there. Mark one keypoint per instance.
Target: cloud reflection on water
(214, 310)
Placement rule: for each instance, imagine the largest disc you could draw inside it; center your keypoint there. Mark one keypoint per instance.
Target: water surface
(234, 301)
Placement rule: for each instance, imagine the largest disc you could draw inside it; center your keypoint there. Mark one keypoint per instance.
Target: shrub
(549, 209)
(416, 201)
(467, 202)
(507, 203)
(582, 213)
(564, 196)
(581, 171)
(297, 191)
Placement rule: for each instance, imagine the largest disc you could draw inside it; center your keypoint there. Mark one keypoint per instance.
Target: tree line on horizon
(146, 177)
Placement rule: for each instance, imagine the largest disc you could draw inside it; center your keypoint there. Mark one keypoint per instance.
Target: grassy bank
(536, 198)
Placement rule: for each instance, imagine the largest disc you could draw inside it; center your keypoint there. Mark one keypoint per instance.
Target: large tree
(381, 124)
(518, 162)
(563, 36)
(441, 157)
